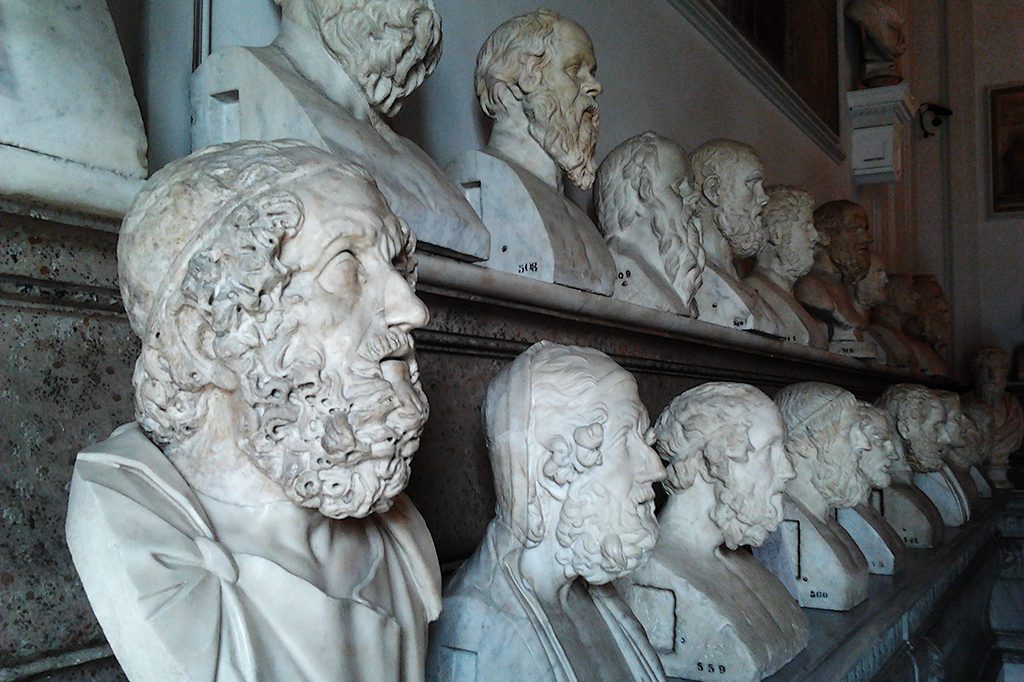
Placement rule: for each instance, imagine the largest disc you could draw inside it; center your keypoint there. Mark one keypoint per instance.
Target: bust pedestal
(817, 561)
(796, 324)
(911, 514)
(725, 301)
(981, 482)
(881, 545)
(968, 487)
(943, 489)
(535, 230)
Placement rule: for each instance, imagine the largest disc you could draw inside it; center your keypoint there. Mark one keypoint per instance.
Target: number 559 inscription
(710, 668)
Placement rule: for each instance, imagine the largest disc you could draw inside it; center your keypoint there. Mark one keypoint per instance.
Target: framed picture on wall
(1006, 124)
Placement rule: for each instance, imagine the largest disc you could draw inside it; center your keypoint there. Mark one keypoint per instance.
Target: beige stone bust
(786, 256)
(884, 41)
(645, 197)
(251, 524)
(991, 372)
(730, 178)
(536, 79)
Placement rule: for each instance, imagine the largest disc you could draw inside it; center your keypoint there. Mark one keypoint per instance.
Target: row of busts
(773, 506)
(672, 229)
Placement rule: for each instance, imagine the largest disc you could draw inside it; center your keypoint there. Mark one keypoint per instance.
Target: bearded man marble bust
(920, 420)
(958, 452)
(817, 561)
(881, 545)
(884, 41)
(730, 177)
(333, 75)
(788, 255)
(570, 449)
(535, 77)
(991, 372)
(888, 319)
(645, 198)
(700, 601)
(841, 262)
(931, 321)
(251, 524)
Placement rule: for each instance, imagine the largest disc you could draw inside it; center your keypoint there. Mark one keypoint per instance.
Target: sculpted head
(731, 435)
(920, 423)
(646, 184)
(991, 373)
(387, 47)
(824, 431)
(542, 65)
(272, 287)
(881, 456)
(961, 433)
(883, 26)
(731, 181)
(792, 236)
(978, 433)
(871, 287)
(848, 238)
(570, 449)
(933, 324)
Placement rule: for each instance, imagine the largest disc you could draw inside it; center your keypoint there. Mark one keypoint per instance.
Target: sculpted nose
(402, 307)
(653, 470)
(592, 87)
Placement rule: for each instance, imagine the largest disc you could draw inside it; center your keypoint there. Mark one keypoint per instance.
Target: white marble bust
(842, 260)
(730, 178)
(251, 524)
(700, 597)
(333, 75)
(645, 197)
(920, 419)
(535, 77)
(788, 255)
(991, 372)
(878, 540)
(570, 449)
(810, 553)
(884, 41)
(890, 317)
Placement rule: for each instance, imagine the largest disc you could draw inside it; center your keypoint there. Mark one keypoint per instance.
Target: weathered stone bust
(959, 452)
(920, 419)
(535, 77)
(730, 178)
(701, 598)
(251, 523)
(842, 261)
(570, 449)
(785, 257)
(645, 198)
(888, 318)
(991, 372)
(931, 320)
(884, 41)
(811, 554)
(336, 71)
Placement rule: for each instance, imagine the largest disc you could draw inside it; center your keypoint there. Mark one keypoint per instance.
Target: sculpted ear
(711, 189)
(195, 338)
(903, 427)
(590, 436)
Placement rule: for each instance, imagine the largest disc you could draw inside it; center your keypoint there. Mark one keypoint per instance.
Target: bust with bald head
(334, 75)
(727, 469)
(536, 79)
(278, 408)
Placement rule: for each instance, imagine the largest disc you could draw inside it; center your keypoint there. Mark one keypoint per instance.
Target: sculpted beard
(743, 229)
(747, 515)
(567, 134)
(339, 440)
(680, 242)
(839, 484)
(601, 537)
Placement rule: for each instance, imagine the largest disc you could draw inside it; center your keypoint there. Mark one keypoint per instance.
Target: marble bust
(931, 322)
(991, 372)
(570, 449)
(645, 197)
(840, 263)
(250, 524)
(787, 255)
(884, 41)
(813, 556)
(958, 453)
(730, 178)
(337, 70)
(700, 597)
(920, 420)
(881, 544)
(535, 77)
(888, 319)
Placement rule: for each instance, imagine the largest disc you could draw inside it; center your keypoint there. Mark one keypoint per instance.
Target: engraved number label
(911, 540)
(818, 594)
(710, 668)
(528, 267)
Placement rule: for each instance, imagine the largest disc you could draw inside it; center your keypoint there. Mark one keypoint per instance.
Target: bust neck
(716, 246)
(511, 140)
(545, 576)
(685, 520)
(305, 50)
(770, 268)
(801, 489)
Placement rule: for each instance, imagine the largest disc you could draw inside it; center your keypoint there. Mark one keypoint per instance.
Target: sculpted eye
(342, 274)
